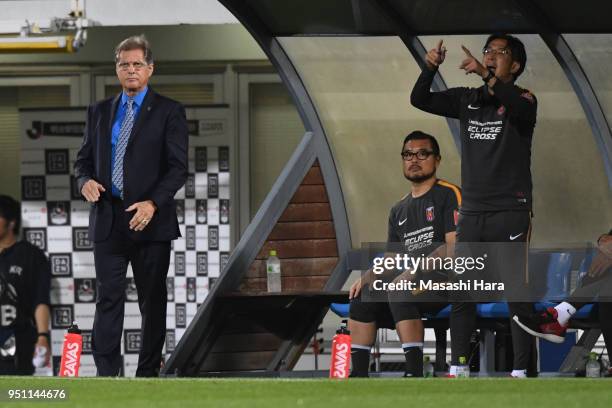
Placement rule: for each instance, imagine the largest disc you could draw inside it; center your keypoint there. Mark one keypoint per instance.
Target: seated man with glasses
(421, 223)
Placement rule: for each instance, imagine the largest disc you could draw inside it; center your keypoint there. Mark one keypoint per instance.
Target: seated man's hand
(407, 275)
(605, 244)
(355, 289)
(601, 263)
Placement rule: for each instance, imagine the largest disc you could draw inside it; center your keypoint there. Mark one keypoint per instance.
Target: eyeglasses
(493, 51)
(138, 65)
(407, 155)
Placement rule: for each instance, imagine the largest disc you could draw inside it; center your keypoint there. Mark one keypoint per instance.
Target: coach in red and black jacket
(497, 122)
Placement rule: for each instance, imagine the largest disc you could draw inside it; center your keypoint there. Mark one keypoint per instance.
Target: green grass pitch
(272, 393)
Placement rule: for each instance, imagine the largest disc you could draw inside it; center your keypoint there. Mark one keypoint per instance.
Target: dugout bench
(493, 325)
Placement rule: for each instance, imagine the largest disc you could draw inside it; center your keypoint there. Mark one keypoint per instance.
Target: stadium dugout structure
(239, 328)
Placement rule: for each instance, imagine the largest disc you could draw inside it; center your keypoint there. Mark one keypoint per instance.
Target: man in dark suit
(132, 162)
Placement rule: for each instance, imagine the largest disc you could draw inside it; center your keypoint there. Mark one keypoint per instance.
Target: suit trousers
(150, 261)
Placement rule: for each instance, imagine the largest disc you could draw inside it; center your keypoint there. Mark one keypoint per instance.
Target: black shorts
(387, 314)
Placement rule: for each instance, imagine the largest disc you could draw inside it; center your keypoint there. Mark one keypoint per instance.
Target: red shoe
(544, 325)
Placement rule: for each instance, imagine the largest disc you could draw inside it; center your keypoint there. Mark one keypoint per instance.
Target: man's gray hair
(136, 42)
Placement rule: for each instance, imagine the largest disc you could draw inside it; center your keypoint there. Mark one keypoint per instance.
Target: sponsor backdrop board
(55, 218)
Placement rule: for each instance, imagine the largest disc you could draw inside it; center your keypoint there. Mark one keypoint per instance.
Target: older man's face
(133, 71)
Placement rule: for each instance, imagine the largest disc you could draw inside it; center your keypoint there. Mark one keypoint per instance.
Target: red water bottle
(341, 353)
(71, 353)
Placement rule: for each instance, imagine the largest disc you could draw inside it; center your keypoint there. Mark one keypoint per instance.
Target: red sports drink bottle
(71, 354)
(341, 353)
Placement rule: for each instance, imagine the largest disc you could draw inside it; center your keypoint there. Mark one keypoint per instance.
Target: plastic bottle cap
(273, 252)
(462, 360)
(74, 328)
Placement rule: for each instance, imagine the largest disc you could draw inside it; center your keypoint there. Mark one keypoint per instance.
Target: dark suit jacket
(155, 164)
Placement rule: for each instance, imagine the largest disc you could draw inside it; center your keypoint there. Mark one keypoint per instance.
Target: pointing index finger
(439, 47)
(467, 52)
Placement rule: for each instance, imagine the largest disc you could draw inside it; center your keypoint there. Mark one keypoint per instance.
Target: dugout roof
(427, 17)
(350, 66)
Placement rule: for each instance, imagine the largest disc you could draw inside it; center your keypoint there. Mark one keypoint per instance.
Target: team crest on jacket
(429, 214)
(501, 110)
(529, 96)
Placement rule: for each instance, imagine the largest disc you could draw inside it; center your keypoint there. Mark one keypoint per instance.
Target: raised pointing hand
(435, 56)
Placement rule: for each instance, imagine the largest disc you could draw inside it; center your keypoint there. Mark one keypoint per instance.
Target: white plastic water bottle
(593, 368)
(38, 361)
(428, 368)
(463, 370)
(40, 355)
(273, 270)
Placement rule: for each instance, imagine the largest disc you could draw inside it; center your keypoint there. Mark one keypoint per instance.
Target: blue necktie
(122, 141)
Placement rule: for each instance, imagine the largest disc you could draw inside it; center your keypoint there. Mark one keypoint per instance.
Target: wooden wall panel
(302, 230)
(313, 176)
(310, 194)
(307, 212)
(296, 267)
(304, 239)
(303, 248)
